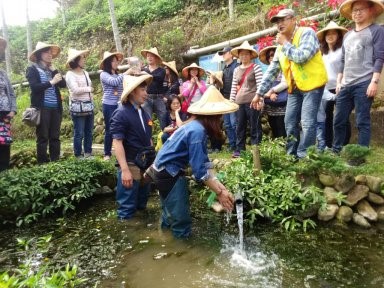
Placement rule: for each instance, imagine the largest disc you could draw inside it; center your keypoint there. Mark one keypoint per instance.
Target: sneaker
(88, 156)
(236, 154)
(107, 158)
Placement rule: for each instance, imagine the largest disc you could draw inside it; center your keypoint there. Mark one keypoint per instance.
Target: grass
(375, 163)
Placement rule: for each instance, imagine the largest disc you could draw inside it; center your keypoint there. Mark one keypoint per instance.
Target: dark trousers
(329, 108)
(48, 134)
(5, 157)
(246, 115)
(277, 126)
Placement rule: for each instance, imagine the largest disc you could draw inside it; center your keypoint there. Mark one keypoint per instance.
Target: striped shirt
(78, 87)
(50, 97)
(112, 87)
(250, 84)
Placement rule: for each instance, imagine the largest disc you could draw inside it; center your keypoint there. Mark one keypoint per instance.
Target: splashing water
(239, 212)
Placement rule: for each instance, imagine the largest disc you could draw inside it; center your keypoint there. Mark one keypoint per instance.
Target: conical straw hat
(73, 54)
(263, 54)
(212, 103)
(331, 26)
(171, 65)
(130, 82)
(185, 70)
(55, 50)
(244, 46)
(218, 75)
(152, 51)
(108, 54)
(346, 8)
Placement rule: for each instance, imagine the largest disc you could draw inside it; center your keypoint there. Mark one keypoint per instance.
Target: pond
(137, 253)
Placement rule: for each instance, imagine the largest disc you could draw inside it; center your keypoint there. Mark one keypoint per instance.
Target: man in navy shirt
(131, 130)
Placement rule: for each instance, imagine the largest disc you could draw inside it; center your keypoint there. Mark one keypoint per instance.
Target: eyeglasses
(281, 20)
(355, 11)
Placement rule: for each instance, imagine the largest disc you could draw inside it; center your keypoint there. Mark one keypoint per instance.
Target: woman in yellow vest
(298, 57)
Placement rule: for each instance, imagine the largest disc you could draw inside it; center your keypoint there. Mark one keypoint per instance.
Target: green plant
(355, 154)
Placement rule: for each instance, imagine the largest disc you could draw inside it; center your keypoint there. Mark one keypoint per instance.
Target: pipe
(194, 53)
(238, 199)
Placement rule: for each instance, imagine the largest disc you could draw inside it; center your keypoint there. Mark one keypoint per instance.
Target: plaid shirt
(308, 47)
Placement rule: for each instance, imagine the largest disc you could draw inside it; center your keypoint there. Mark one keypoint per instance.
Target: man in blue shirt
(131, 130)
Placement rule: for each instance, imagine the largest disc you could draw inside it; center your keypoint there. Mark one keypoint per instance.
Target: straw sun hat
(263, 54)
(244, 46)
(171, 65)
(346, 8)
(331, 26)
(73, 54)
(185, 70)
(108, 54)
(212, 103)
(152, 51)
(130, 82)
(55, 50)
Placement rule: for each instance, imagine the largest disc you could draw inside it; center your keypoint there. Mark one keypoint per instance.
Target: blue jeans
(130, 199)
(349, 97)
(107, 112)
(230, 128)
(246, 115)
(156, 105)
(302, 108)
(320, 135)
(82, 129)
(176, 211)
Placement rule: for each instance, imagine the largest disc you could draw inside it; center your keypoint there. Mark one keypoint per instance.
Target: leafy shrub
(355, 154)
(31, 193)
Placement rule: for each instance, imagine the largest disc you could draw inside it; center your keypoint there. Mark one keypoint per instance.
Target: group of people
(308, 75)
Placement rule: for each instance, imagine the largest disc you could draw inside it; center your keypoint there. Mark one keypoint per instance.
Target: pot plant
(355, 154)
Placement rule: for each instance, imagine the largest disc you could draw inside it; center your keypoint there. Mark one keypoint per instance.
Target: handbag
(243, 77)
(145, 157)
(186, 103)
(31, 117)
(281, 100)
(5, 133)
(82, 108)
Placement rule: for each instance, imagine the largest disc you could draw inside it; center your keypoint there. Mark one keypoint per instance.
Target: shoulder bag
(243, 77)
(82, 108)
(187, 102)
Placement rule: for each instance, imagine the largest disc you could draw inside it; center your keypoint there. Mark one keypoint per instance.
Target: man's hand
(281, 38)
(257, 102)
(372, 90)
(126, 178)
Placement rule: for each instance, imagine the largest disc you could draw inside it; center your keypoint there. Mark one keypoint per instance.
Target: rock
(99, 129)
(105, 190)
(345, 183)
(358, 193)
(160, 255)
(99, 139)
(99, 120)
(374, 183)
(344, 214)
(217, 207)
(328, 213)
(380, 213)
(361, 179)
(215, 162)
(366, 210)
(330, 195)
(360, 220)
(327, 180)
(375, 199)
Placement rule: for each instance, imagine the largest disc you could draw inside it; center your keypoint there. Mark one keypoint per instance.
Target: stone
(99, 120)
(360, 220)
(361, 179)
(328, 213)
(105, 190)
(345, 183)
(358, 193)
(344, 214)
(380, 213)
(215, 162)
(375, 199)
(366, 210)
(99, 129)
(374, 184)
(99, 139)
(330, 195)
(327, 180)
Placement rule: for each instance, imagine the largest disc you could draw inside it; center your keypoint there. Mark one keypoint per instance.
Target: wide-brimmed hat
(152, 51)
(212, 103)
(3, 42)
(282, 14)
(185, 70)
(73, 54)
(130, 82)
(244, 46)
(263, 54)
(108, 54)
(171, 65)
(218, 75)
(55, 50)
(331, 26)
(346, 8)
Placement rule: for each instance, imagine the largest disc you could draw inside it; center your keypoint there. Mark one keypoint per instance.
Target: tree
(115, 28)
(28, 29)
(5, 35)
(230, 8)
